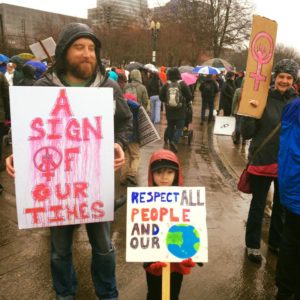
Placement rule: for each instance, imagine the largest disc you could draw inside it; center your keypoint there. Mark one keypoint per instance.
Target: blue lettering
(176, 194)
(163, 197)
(150, 199)
(134, 197)
(142, 197)
(169, 197)
(155, 229)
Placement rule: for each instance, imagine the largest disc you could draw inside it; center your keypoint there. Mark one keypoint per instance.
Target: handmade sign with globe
(183, 240)
(166, 224)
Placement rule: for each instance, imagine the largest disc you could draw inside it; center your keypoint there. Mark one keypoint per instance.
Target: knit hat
(287, 66)
(163, 163)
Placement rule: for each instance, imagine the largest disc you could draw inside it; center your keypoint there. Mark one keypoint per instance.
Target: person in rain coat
(77, 63)
(263, 168)
(288, 266)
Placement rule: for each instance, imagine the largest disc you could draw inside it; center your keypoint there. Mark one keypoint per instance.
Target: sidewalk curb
(222, 163)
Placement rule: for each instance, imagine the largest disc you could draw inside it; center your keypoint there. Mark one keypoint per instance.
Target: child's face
(164, 177)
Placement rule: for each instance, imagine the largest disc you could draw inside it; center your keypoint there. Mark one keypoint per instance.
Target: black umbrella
(218, 63)
(134, 65)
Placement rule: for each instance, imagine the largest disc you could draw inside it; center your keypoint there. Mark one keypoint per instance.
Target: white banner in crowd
(147, 132)
(166, 224)
(63, 143)
(38, 49)
(224, 125)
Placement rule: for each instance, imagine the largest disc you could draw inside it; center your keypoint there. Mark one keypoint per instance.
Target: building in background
(21, 26)
(117, 13)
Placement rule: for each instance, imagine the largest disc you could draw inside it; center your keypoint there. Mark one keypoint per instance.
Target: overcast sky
(285, 13)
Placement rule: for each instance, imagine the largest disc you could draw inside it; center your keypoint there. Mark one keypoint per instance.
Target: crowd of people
(77, 63)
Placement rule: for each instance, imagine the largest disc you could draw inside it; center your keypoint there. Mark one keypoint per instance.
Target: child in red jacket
(164, 170)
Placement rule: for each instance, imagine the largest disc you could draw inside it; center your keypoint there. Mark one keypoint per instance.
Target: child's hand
(188, 263)
(183, 267)
(156, 268)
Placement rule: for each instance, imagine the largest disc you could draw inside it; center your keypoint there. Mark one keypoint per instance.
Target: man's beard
(82, 70)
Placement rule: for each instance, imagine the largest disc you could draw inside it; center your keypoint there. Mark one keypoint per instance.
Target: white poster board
(166, 224)
(63, 143)
(147, 132)
(224, 125)
(38, 51)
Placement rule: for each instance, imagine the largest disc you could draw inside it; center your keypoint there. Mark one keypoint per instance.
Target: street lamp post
(108, 21)
(155, 28)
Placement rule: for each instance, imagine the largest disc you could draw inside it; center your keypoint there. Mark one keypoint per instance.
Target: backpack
(131, 92)
(174, 96)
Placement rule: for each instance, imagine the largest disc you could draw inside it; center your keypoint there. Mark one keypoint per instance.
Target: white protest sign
(147, 132)
(166, 224)
(38, 50)
(63, 143)
(224, 125)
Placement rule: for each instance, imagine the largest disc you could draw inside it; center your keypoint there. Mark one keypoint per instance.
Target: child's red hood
(168, 155)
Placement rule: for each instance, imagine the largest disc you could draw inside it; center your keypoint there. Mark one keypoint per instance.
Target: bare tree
(228, 23)
(282, 52)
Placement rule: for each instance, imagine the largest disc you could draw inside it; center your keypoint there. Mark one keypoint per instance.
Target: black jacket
(226, 96)
(259, 129)
(208, 88)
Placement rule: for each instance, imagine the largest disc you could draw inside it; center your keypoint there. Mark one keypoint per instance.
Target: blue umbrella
(3, 59)
(207, 70)
(196, 69)
(40, 68)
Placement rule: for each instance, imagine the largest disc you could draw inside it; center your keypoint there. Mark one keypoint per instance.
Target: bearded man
(77, 63)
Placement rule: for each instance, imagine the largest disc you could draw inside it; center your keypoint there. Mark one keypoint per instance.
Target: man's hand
(119, 157)
(10, 165)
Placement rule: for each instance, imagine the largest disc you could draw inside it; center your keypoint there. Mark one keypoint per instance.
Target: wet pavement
(211, 161)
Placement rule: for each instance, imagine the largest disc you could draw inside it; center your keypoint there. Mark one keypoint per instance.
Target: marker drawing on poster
(259, 67)
(224, 125)
(63, 155)
(166, 224)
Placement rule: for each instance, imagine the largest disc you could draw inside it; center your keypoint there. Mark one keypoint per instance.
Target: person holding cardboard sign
(263, 167)
(164, 170)
(78, 64)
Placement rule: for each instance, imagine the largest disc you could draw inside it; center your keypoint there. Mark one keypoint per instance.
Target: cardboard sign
(166, 224)
(259, 67)
(63, 155)
(44, 48)
(224, 125)
(147, 132)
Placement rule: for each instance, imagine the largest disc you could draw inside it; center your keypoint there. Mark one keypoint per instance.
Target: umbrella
(208, 70)
(26, 56)
(196, 69)
(151, 68)
(3, 59)
(186, 69)
(218, 63)
(188, 78)
(40, 68)
(134, 65)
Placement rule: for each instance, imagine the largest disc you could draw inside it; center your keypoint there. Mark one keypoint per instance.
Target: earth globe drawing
(183, 240)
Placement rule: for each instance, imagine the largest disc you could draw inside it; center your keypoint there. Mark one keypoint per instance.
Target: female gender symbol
(261, 56)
